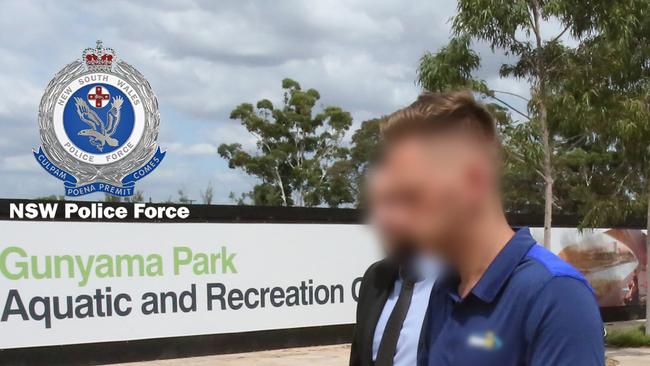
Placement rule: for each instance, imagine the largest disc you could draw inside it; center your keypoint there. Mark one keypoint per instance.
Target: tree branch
(281, 184)
(579, 139)
(525, 115)
(520, 159)
(510, 93)
(561, 33)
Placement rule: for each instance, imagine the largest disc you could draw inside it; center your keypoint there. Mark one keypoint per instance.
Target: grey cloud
(205, 57)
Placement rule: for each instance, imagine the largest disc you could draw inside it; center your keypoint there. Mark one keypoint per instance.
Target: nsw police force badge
(98, 121)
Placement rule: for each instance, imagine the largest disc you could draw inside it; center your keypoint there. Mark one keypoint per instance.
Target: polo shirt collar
(499, 271)
(503, 265)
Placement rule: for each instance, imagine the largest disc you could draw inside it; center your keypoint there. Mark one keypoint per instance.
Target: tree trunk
(547, 168)
(647, 270)
(548, 173)
(281, 184)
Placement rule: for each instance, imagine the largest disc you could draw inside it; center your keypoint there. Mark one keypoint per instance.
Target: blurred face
(441, 184)
(389, 215)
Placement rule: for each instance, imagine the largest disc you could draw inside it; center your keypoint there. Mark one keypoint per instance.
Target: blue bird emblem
(101, 131)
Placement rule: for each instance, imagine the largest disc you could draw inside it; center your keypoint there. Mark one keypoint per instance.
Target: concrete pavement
(312, 356)
(338, 356)
(630, 356)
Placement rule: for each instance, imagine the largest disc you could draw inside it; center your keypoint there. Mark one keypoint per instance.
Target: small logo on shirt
(487, 341)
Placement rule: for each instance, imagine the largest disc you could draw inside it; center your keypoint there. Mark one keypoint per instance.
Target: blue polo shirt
(530, 308)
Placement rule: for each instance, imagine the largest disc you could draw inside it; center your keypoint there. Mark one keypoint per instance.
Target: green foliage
(299, 157)
(183, 197)
(366, 145)
(208, 194)
(138, 197)
(51, 197)
(631, 337)
(112, 199)
(585, 122)
(451, 67)
(608, 88)
(522, 186)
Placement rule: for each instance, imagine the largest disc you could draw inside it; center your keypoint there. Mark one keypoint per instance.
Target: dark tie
(388, 344)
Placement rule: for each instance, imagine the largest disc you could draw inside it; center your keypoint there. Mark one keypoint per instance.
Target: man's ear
(479, 178)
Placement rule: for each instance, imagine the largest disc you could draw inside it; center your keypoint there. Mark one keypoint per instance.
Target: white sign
(67, 283)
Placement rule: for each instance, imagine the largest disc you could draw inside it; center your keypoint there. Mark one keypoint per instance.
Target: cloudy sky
(205, 57)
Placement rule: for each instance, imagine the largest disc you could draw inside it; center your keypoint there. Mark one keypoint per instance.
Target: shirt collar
(499, 271)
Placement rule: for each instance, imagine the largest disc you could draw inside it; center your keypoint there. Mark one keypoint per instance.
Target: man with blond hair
(505, 300)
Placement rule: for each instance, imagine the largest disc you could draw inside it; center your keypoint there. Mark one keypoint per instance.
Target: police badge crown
(99, 121)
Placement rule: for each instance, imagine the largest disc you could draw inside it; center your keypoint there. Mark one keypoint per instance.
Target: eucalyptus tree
(453, 67)
(299, 156)
(612, 93)
(519, 29)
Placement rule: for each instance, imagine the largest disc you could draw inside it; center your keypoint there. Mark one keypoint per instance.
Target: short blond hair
(439, 112)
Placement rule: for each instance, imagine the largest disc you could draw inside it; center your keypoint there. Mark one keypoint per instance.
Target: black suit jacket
(377, 283)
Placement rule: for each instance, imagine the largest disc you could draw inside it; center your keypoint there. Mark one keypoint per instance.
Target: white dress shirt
(409, 338)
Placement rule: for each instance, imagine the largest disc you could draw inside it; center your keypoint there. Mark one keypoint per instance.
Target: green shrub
(631, 337)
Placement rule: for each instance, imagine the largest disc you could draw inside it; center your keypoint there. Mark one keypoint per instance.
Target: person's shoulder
(378, 277)
(540, 270)
(380, 274)
(381, 268)
(558, 296)
(562, 320)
